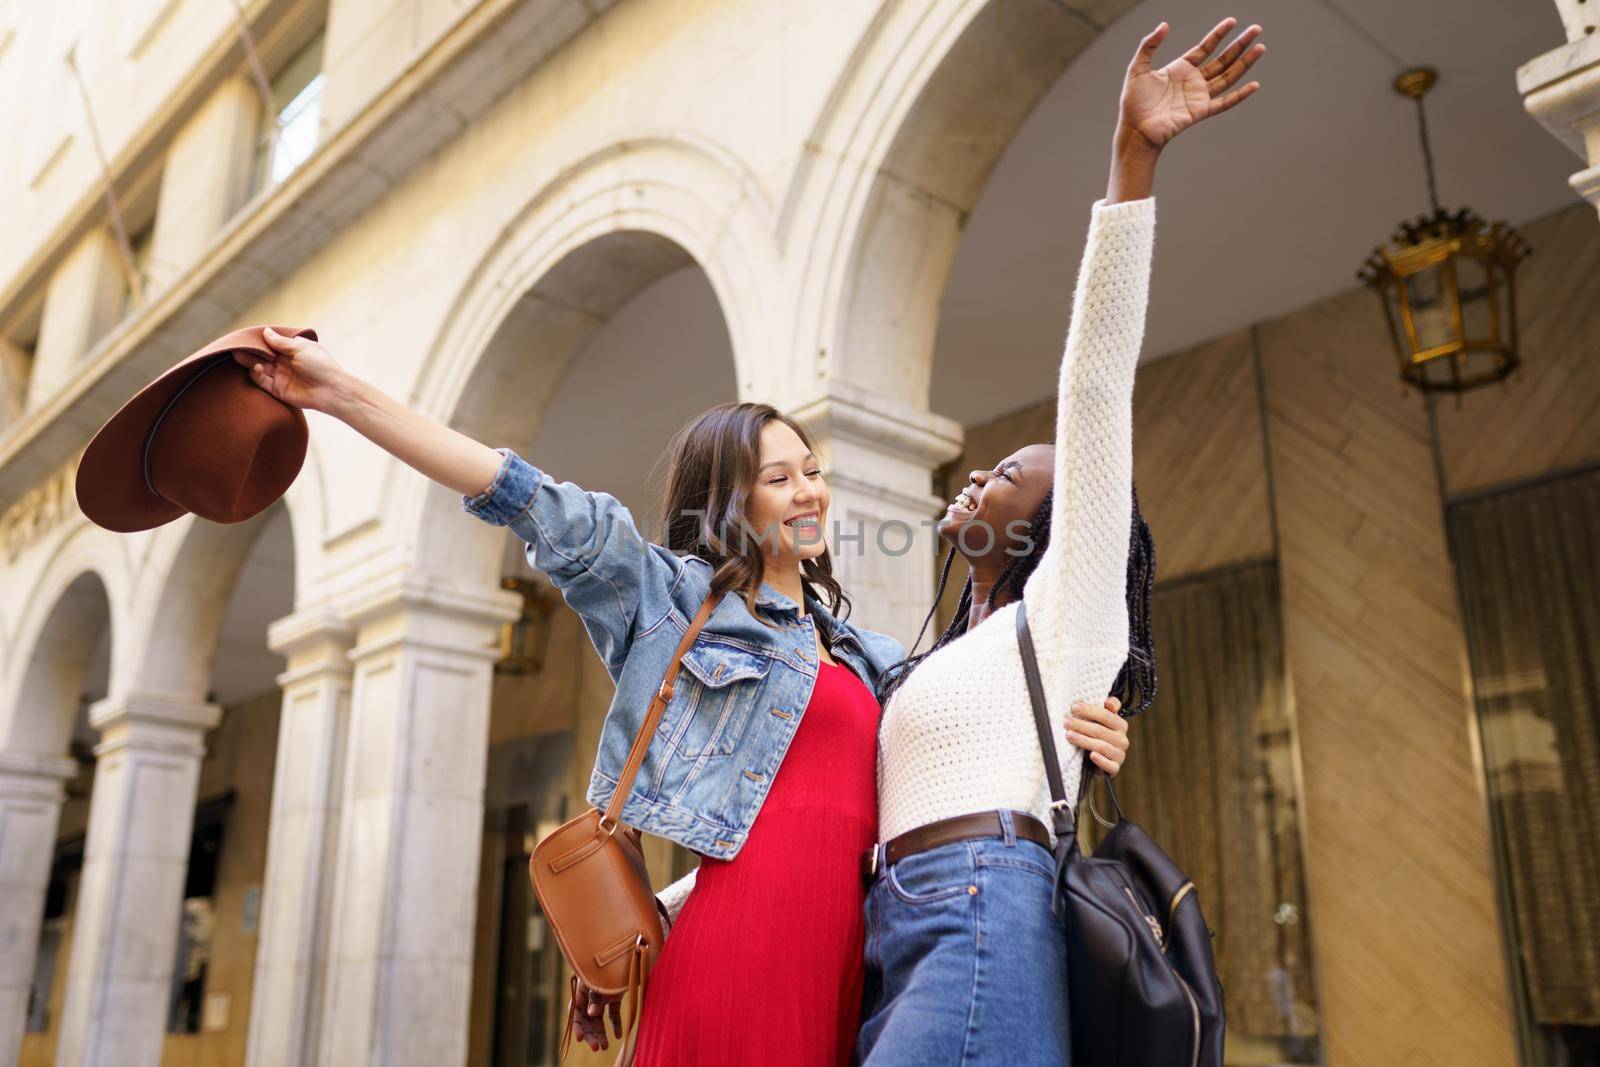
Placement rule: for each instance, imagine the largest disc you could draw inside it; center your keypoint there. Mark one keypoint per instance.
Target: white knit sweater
(958, 736)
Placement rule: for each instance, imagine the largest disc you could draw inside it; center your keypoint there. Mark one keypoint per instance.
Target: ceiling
(1262, 210)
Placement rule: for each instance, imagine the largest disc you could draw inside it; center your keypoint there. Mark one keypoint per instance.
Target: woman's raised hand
(1159, 104)
(300, 372)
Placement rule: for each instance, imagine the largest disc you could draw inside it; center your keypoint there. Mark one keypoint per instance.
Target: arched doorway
(47, 765)
(171, 839)
(643, 348)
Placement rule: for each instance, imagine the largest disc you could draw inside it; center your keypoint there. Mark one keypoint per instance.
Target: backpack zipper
(1155, 930)
(1150, 920)
(1172, 910)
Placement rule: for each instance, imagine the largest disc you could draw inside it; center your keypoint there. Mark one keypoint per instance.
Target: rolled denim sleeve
(585, 541)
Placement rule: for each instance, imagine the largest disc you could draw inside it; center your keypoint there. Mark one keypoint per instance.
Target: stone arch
(183, 593)
(84, 582)
(599, 234)
(898, 160)
(307, 504)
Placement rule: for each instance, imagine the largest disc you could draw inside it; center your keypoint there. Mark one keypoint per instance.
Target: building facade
(267, 791)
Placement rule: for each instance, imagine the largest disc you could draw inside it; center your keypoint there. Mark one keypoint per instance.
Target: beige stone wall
(1397, 850)
(1545, 418)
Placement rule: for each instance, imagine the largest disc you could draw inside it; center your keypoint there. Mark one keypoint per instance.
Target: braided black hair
(1135, 684)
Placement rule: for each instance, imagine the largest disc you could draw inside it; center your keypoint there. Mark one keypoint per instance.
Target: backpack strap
(1062, 813)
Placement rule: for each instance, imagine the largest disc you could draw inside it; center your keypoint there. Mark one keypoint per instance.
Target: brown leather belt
(960, 828)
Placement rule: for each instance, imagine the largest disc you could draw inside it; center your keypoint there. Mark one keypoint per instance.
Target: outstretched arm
(587, 542)
(304, 375)
(1076, 595)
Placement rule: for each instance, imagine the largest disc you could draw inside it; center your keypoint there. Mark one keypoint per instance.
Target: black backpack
(1142, 984)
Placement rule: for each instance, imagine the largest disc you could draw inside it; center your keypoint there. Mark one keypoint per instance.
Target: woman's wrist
(346, 396)
(1133, 167)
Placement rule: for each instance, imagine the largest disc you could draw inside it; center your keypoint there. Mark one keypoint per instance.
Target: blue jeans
(966, 964)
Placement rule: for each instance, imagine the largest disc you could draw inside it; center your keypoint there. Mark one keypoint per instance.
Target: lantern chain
(1427, 153)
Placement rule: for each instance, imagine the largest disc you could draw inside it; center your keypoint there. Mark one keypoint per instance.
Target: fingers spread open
(1222, 103)
(1140, 64)
(1221, 62)
(1208, 43)
(1236, 70)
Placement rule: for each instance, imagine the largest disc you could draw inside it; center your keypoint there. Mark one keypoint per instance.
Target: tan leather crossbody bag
(591, 881)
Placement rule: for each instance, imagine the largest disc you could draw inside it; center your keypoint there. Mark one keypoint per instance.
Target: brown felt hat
(201, 438)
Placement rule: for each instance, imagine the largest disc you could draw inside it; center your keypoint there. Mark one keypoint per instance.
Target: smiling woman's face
(993, 511)
(789, 486)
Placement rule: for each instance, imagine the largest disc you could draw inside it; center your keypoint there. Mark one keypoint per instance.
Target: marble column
(399, 971)
(130, 898)
(1562, 90)
(302, 841)
(30, 803)
(881, 455)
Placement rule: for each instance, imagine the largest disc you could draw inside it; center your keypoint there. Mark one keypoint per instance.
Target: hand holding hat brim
(200, 438)
(297, 371)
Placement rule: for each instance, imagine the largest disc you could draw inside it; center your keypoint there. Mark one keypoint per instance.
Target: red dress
(764, 963)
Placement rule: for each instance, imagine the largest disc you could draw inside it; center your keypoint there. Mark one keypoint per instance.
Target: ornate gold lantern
(523, 640)
(1448, 285)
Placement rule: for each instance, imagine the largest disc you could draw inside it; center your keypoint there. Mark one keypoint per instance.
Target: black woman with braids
(966, 963)
(1135, 684)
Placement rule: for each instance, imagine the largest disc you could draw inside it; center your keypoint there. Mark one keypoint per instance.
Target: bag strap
(652, 719)
(1062, 813)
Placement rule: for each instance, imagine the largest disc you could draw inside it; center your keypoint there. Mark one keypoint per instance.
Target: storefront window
(1529, 566)
(52, 931)
(198, 921)
(1211, 777)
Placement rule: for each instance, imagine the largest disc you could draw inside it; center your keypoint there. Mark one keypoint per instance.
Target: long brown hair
(714, 462)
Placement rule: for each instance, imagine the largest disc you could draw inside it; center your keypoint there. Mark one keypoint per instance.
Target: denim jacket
(743, 688)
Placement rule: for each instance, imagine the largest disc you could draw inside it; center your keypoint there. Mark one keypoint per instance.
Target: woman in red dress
(781, 939)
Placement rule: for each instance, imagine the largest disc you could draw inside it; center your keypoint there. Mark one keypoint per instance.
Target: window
(17, 349)
(1526, 560)
(289, 134)
(1231, 821)
(136, 286)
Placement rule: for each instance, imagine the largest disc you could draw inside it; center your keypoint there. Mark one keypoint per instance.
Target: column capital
(316, 642)
(880, 446)
(308, 630)
(883, 422)
(153, 721)
(34, 775)
(405, 607)
(1562, 90)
